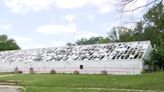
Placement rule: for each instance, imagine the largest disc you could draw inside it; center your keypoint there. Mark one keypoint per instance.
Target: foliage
(114, 34)
(7, 44)
(154, 19)
(119, 34)
(158, 56)
(52, 71)
(70, 44)
(92, 40)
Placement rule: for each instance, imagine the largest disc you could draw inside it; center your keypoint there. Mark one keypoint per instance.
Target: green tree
(154, 27)
(92, 40)
(155, 17)
(114, 34)
(7, 44)
(120, 34)
(158, 56)
(104, 40)
(70, 44)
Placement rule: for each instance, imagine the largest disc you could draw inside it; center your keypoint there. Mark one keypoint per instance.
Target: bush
(76, 72)
(31, 70)
(104, 72)
(20, 72)
(52, 71)
(16, 70)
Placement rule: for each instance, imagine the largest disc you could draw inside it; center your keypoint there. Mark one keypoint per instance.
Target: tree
(137, 32)
(124, 3)
(158, 56)
(7, 44)
(114, 34)
(92, 40)
(154, 20)
(120, 34)
(155, 16)
(104, 40)
(126, 36)
(70, 44)
(139, 28)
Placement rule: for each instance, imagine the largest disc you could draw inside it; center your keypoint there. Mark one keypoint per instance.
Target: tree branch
(140, 6)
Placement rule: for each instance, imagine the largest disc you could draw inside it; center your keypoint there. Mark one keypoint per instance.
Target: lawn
(5, 73)
(88, 83)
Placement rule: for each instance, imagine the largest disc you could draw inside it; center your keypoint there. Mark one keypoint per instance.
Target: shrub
(16, 70)
(20, 72)
(52, 71)
(76, 72)
(104, 72)
(31, 70)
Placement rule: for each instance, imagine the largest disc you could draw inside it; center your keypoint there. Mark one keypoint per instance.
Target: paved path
(5, 88)
(8, 88)
(115, 89)
(7, 75)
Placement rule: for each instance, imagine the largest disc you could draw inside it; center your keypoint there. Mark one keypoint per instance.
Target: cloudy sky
(49, 23)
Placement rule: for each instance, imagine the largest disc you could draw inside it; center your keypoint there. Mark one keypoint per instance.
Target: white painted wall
(128, 66)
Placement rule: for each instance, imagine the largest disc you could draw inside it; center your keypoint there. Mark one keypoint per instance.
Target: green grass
(6, 73)
(71, 83)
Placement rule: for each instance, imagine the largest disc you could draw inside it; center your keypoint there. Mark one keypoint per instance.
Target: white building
(114, 58)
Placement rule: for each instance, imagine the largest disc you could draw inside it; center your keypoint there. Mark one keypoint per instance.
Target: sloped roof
(96, 52)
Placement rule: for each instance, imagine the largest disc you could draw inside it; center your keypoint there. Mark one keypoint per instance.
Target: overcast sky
(51, 23)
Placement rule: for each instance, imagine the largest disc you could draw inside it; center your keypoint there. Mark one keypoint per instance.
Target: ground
(150, 82)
